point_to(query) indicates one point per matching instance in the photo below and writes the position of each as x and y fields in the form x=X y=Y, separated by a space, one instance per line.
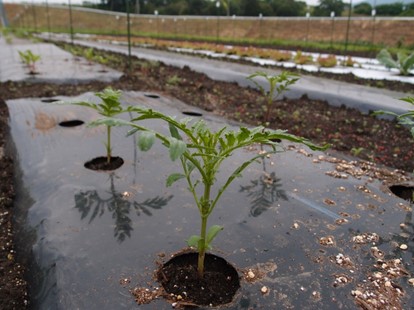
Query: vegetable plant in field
x=404 y=63
x=327 y=61
x=110 y=107
x=277 y=85
x=406 y=119
x=201 y=153
x=29 y=59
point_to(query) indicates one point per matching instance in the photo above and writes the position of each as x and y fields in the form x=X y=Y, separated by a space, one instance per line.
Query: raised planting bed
x=303 y=230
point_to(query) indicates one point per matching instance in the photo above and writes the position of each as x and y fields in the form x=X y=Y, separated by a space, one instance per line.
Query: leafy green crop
x=201 y=152
x=404 y=62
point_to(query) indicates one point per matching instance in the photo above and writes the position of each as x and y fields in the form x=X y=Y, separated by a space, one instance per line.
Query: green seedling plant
x=201 y=153
x=89 y=55
x=404 y=62
x=277 y=85
x=29 y=59
x=405 y=119
x=109 y=107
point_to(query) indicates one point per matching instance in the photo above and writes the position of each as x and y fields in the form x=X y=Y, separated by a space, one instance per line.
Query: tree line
x=251 y=7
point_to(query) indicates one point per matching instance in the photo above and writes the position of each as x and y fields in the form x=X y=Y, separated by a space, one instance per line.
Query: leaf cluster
x=404 y=62
x=277 y=85
x=29 y=59
x=110 y=105
x=406 y=119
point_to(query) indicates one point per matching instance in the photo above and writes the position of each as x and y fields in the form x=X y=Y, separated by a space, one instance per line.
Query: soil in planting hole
x=405 y=192
x=192 y=113
x=101 y=163
x=218 y=286
x=71 y=123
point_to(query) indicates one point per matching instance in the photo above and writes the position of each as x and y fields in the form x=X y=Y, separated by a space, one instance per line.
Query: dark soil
x=12 y=285
x=218 y=285
x=102 y=164
x=349 y=132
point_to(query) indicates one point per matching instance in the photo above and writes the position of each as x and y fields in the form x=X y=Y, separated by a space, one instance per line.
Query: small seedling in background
x=201 y=153
x=29 y=59
x=349 y=62
x=301 y=59
x=277 y=85
x=110 y=107
x=404 y=63
x=406 y=119
x=327 y=61
x=89 y=55
x=173 y=80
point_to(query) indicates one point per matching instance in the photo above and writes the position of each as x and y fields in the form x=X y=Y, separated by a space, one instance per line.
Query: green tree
x=250 y=7
x=325 y=8
x=363 y=8
x=288 y=7
x=408 y=11
x=393 y=9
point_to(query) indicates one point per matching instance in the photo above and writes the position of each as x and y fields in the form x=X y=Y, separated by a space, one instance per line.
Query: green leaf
x=172 y=178
x=146 y=140
x=177 y=148
x=193 y=241
x=174 y=132
x=408 y=99
x=109 y=122
x=385 y=58
x=212 y=233
x=408 y=64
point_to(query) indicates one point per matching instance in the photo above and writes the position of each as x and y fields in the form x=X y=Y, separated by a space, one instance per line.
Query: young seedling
x=404 y=63
x=29 y=59
x=110 y=107
x=406 y=119
x=201 y=153
x=277 y=85
x=89 y=55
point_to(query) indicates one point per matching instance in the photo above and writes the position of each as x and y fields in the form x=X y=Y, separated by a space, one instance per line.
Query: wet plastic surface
x=91 y=236
x=55 y=65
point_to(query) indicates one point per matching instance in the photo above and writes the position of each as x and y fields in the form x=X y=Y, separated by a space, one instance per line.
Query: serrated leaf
x=146 y=140
x=172 y=178
x=193 y=241
x=177 y=148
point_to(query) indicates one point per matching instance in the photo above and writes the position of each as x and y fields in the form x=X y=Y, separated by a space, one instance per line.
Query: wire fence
x=67 y=18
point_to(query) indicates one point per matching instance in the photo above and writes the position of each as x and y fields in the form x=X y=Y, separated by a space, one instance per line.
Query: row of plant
x=200 y=150
x=404 y=61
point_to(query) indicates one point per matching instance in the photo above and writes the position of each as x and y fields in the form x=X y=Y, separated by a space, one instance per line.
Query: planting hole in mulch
x=101 y=163
x=71 y=123
x=153 y=96
x=49 y=100
x=179 y=277
x=405 y=192
x=192 y=113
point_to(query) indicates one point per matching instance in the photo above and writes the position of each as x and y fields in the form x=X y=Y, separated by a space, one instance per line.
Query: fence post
x=70 y=22
x=129 y=35
x=347 y=28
